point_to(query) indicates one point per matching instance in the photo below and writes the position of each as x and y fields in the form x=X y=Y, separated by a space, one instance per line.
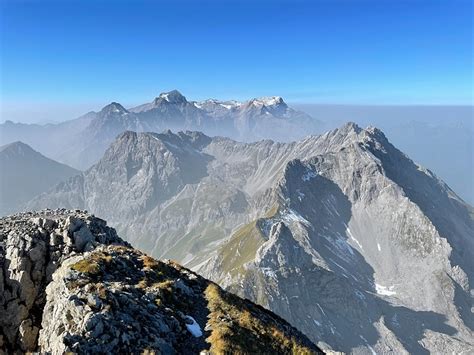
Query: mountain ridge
x=70 y=284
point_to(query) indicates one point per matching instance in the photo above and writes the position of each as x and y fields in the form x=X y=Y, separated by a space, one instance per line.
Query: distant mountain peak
x=376 y=132
x=17 y=146
x=350 y=127
x=167 y=132
x=19 y=150
x=268 y=101
x=114 y=108
x=211 y=104
x=173 y=97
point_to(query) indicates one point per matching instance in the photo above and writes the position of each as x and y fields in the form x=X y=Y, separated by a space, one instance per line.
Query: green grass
x=243 y=245
x=241 y=248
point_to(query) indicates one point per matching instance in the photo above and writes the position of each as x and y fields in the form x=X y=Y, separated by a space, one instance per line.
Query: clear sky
x=72 y=56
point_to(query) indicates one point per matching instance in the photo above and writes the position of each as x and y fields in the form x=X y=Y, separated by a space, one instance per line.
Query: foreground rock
x=69 y=283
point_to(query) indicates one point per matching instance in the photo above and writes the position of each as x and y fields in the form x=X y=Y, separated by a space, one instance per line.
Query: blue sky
x=76 y=55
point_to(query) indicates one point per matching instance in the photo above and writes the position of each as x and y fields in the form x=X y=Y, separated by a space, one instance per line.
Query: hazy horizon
x=42 y=113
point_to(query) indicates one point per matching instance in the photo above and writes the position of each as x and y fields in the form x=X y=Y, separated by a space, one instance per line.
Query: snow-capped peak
x=268 y=101
x=229 y=104
x=174 y=97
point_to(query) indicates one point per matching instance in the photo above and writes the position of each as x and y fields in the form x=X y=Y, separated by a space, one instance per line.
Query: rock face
x=176 y=195
x=364 y=250
x=69 y=284
x=326 y=231
x=81 y=142
x=25 y=173
x=32 y=247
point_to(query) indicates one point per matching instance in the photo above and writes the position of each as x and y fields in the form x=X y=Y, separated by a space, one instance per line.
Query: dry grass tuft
x=236 y=330
x=149 y=262
x=92 y=263
x=86 y=266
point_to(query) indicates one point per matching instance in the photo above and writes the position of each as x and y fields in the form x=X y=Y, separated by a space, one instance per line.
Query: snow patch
x=343 y=245
x=341 y=267
x=321 y=309
x=366 y=343
x=378 y=247
x=267 y=101
x=194 y=327
x=293 y=216
x=384 y=290
x=348 y=231
x=269 y=272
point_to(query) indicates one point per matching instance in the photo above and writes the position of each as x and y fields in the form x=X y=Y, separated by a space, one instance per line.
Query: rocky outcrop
x=70 y=284
x=32 y=247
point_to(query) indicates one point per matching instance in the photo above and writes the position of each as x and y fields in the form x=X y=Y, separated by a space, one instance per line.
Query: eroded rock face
x=70 y=284
x=363 y=251
x=112 y=300
x=32 y=246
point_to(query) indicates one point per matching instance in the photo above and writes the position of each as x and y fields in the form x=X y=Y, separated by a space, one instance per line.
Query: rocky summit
x=68 y=283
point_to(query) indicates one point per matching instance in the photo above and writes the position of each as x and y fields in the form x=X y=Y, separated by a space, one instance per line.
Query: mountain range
x=341 y=234
x=81 y=142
